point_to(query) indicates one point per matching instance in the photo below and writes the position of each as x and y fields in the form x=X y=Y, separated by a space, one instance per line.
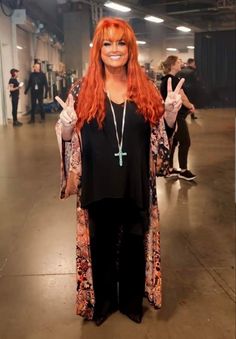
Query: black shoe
x=17 y=123
x=134 y=316
x=31 y=121
x=99 y=318
x=172 y=173
x=193 y=117
x=186 y=175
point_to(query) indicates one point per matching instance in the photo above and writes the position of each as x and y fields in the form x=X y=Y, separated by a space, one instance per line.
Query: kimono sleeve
x=160 y=148
x=71 y=167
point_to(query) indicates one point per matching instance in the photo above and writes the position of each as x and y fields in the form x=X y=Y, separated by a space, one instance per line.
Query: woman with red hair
x=113 y=142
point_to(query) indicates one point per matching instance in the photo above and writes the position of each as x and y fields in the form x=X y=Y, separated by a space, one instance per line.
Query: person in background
x=38 y=86
x=191 y=85
x=171 y=66
x=112 y=134
x=14 y=88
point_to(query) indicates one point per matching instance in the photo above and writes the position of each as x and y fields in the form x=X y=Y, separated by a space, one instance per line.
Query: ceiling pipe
x=169 y=22
x=201 y=10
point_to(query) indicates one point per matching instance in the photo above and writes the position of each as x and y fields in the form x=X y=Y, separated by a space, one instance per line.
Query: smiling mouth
x=115 y=57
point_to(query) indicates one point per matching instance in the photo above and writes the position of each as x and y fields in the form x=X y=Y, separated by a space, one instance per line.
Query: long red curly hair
x=140 y=90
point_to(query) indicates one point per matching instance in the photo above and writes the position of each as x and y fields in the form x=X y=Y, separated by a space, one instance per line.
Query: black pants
x=14 y=101
x=37 y=97
x=117 y=250
x=181 y=138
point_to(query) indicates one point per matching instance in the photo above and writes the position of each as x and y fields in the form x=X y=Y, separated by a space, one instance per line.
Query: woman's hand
x=68 y=116
x=173 y=102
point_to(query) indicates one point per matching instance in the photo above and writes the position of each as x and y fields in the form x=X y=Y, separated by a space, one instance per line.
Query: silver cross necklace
x=120 y=153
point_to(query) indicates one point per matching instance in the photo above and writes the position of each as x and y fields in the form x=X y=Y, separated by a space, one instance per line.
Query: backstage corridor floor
x=37 y=242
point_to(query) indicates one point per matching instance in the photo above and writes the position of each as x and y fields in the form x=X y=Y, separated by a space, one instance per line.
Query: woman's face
x=114 y=54
x=36 y=68
x=176 y=67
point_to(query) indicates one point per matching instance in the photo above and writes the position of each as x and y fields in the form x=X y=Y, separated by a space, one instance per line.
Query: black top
x=37 y=83
x=183 y=112
x=190 y=75
x=102 y=177
x=191 y=83
x=15 y=83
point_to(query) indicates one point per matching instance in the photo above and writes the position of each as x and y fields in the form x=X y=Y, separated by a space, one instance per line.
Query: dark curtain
x=215 y=59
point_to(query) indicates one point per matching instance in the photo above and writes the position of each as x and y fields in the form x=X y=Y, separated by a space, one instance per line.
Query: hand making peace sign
x=68 y=116
x=173 y=102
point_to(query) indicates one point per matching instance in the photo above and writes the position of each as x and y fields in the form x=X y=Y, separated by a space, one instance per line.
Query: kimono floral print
x=113 y=137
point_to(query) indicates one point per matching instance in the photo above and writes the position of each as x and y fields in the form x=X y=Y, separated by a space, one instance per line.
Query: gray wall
x=77 y=38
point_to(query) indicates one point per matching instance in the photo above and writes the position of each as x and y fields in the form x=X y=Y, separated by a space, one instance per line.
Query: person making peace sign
x=113 y=135
x=171 y=66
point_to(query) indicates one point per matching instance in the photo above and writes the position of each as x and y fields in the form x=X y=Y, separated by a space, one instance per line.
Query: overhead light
x=183 y=29
x=171 y=49
x=91 y=44
x=190 y=47
x=153 y=18
x=117 y=7
x=139 y=42
x=19 y=47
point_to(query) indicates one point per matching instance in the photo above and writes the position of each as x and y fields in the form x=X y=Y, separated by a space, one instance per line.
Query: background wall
x=6 y=60
x=19 y=48
x=77 y=31
x=25 y=59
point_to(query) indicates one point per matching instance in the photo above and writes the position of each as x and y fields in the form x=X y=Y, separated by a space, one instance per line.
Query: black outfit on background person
x=181 y=136
x=14 y=98
x=191 y=83
x=39 y=87
x=117 y=199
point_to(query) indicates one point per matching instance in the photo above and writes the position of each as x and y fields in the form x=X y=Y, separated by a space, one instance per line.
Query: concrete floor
x=37 y=242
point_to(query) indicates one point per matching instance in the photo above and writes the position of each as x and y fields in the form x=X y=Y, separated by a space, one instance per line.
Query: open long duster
x=71 y=171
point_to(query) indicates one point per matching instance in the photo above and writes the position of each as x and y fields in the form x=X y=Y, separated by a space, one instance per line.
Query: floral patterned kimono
x=71 y=169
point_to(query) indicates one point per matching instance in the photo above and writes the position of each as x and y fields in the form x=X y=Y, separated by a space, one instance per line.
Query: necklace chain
x=120 y=153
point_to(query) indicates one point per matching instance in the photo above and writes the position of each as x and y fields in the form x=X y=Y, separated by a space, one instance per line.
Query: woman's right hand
x=68 y=115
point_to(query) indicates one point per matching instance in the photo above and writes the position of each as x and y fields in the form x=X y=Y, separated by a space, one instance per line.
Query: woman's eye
x=122 y=43
x=106 y=44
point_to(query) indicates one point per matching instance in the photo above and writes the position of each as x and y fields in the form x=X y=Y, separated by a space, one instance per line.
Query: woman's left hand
x=173 y=102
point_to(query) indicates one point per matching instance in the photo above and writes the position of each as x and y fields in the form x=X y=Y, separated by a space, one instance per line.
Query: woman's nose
x=114 y=46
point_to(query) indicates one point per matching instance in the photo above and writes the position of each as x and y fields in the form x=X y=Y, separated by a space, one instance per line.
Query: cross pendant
x=120 y=154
